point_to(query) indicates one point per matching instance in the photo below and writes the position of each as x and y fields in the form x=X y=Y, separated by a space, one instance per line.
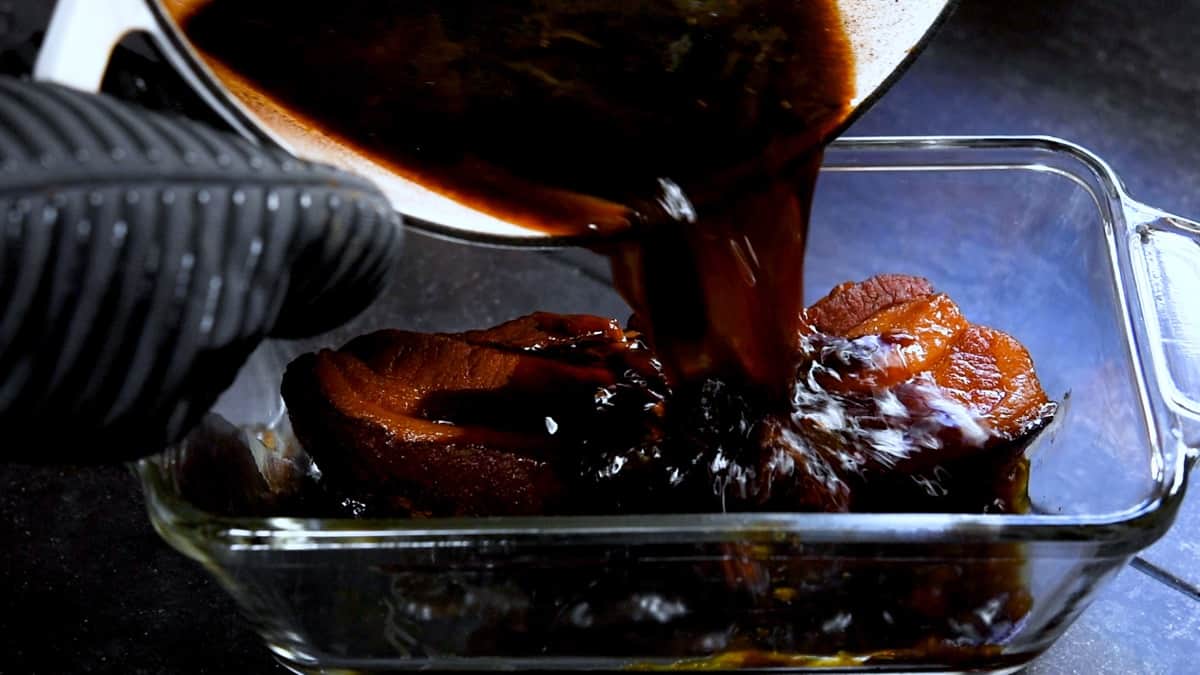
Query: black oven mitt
x=142 y=259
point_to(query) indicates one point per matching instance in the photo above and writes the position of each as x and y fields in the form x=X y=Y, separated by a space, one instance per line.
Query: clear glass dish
x=1032 y=235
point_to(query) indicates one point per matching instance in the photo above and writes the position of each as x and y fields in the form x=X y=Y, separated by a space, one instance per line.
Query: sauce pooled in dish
x=691 y=132
x=898 y=403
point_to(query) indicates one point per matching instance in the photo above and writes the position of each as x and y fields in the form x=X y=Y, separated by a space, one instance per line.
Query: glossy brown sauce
x=693 y=130
x=693 y=127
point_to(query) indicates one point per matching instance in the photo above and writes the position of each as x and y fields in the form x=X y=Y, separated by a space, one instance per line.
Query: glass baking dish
x=1032 y=235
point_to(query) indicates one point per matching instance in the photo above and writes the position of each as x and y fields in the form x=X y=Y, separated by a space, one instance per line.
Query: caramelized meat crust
x=851 y=303
x=984 y=369
x=476 y=423
x=899 y=403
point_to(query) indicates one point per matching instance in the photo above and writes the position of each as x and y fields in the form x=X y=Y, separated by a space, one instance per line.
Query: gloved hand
x=142 y=259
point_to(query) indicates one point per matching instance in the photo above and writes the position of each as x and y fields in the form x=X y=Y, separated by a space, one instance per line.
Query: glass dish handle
x=1166 y=271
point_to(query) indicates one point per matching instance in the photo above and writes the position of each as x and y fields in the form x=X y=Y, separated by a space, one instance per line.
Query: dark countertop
x=87 y=586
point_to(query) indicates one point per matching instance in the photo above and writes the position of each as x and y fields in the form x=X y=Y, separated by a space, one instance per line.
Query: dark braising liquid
x=693 y=128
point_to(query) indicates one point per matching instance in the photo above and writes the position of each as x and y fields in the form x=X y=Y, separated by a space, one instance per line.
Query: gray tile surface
x=1120 y=78
x=1136 y=626
x=1179 y=551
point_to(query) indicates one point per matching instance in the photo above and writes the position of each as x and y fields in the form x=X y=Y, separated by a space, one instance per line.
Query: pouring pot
x=883 y=37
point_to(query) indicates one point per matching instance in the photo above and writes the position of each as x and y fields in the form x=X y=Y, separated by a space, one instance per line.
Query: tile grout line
x=1162 y=576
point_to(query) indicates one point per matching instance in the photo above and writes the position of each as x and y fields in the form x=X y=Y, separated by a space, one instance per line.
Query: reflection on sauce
x=694 y=128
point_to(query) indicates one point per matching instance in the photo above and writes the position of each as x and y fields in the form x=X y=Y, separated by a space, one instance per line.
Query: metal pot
x=884 y=37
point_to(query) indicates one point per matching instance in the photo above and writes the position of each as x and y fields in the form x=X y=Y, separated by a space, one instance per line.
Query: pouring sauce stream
x=690 y=130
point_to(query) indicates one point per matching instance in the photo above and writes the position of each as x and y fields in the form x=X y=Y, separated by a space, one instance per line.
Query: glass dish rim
x=1124 y=532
